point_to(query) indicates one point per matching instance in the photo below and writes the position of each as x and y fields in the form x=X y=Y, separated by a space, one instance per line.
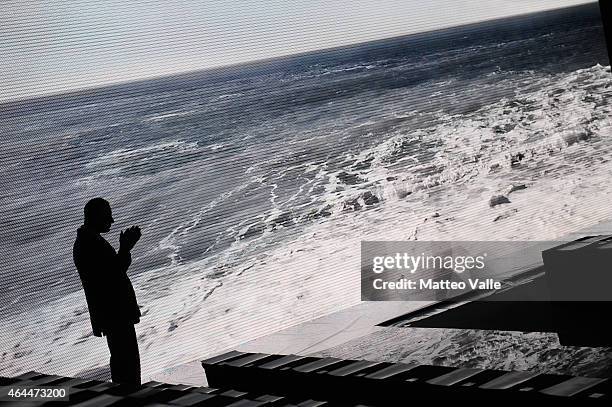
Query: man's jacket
x=109 y=293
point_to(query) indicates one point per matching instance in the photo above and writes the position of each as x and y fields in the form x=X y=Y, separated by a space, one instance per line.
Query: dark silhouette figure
x=110 y=296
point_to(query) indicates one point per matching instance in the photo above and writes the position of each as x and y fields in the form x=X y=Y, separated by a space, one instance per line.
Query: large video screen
x=257 y=144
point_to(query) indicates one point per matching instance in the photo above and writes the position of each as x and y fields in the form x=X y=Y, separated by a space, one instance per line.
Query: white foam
x=163 y=116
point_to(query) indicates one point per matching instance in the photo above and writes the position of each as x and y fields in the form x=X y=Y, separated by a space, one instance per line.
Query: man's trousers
x=125 y=358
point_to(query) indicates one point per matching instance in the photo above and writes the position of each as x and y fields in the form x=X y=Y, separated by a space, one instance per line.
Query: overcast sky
x=53 y=46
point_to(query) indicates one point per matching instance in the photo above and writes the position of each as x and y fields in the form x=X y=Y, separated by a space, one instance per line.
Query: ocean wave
x=121 y=154
x=230 y=95
x=164 y=116
x=526 y=134
x=532 y=126
x=318 y=71
x=171 y=242
x=539 y=131
x=146 y=160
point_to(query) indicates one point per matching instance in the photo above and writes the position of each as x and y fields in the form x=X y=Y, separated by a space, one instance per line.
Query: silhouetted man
x=110 y=296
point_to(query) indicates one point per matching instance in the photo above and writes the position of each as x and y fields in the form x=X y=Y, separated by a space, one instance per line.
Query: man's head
x=98 y=215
